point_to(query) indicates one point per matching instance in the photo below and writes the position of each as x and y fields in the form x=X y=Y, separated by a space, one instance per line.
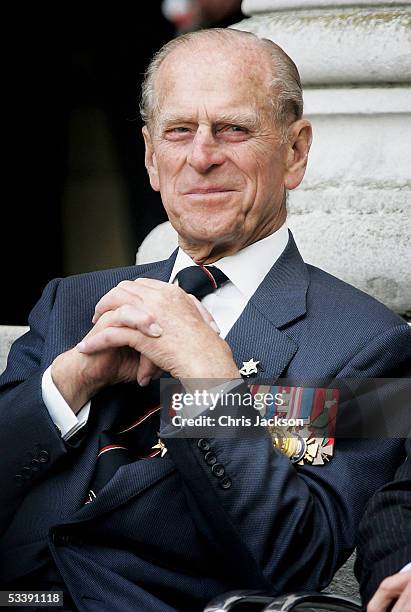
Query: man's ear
x=298 y=146
x=150 y=160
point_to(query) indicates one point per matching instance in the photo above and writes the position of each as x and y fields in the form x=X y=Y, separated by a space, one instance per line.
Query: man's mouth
x=206 y=190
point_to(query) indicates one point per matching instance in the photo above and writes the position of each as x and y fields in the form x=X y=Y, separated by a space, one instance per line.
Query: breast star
x=249 y=367
x=160 y=446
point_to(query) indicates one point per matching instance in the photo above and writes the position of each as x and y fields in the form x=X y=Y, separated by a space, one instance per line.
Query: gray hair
x=286 y=90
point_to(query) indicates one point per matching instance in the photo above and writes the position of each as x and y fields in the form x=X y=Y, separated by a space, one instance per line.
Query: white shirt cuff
x=406 y=568
x=60 y=412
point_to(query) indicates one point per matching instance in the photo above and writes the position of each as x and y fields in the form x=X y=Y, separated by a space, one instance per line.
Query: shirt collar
x=246 y=268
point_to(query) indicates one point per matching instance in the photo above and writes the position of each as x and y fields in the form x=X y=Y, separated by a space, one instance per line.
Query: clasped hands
x=140 y=329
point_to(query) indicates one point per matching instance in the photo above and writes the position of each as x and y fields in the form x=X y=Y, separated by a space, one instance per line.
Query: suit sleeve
x=29 y=440
x=286 y=527
x=384 y=546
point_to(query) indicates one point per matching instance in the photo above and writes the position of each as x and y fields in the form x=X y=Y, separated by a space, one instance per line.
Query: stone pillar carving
x=352 y=214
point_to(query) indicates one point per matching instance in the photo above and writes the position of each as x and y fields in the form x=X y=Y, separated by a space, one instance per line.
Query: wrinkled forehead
x=239 y=75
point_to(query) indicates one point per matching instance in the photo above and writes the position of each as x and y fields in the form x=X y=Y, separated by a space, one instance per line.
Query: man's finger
x=389 y=590
x=131 y=292
x=404 y=601
x=135 y=317
x=205 y=314
x=153 y=283
x=111 y=337
x=147 y=371
x=115 y=298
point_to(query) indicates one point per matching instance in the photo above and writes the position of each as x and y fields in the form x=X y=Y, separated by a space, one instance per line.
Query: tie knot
x=201 y=280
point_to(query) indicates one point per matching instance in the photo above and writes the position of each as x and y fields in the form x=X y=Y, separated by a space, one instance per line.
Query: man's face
x=214 y=151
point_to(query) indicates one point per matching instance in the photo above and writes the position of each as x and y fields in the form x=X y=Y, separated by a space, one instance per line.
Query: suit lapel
x=279 y=301
x=254 y=337
x=129 y=481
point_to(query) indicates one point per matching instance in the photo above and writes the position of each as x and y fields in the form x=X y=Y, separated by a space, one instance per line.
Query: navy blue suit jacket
x=163 y=534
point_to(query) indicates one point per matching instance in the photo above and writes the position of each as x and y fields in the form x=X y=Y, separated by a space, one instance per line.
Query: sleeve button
x=19 y=480
x=44 y=456
x=26 y=472
x=35 y=465
x=210 y=458
x=218 y=470
x=225 y=483
x=203 y=445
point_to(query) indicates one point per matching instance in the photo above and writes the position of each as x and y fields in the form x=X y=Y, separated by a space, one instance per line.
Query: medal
x=302 y=450
x=249 y=367
x=291 y=444
x=304 y=420
x=160 y=446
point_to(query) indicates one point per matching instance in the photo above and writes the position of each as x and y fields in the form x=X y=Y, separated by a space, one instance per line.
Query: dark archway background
x=75 y=192
x=72 y=146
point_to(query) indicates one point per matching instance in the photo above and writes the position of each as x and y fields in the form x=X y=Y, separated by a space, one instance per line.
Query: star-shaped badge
x=161 y=446
x=249 y=367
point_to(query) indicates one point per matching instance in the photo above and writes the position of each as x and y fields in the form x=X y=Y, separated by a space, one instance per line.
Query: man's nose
x=205 y=151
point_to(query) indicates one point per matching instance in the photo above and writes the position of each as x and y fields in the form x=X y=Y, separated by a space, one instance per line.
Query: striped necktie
x=201 y=280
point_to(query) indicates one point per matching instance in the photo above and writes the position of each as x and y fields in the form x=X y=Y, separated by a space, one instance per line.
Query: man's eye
x=232 y=129
x=233 y=133
x=177 y=132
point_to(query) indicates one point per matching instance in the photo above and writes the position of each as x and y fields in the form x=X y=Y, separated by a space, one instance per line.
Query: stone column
x=351 y=215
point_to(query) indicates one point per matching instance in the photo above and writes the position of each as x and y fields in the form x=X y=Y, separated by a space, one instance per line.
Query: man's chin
x=208 y=247
x=201 y=236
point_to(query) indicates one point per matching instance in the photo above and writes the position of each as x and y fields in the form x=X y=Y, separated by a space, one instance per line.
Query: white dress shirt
x=245 y=271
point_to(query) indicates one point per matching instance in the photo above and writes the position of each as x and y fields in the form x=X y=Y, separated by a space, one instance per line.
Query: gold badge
x=302 y=450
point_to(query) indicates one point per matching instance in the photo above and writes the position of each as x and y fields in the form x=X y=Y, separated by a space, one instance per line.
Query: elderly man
x=92 y=503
